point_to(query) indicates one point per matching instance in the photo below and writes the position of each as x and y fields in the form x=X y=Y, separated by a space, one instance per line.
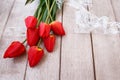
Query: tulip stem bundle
x=39 y=28
x=46 y=11
x=49 y=10
x=40 y=12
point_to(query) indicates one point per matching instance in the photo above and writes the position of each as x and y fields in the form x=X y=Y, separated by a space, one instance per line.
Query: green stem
x=24 y=41
x=38 y=17
x=50 y=11
x=39 y=20
x=37 y=11
x=39 y=43
x=48 y=3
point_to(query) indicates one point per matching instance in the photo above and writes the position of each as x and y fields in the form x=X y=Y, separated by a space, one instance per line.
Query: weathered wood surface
x=76 y=56
x=13 y=69
x=106 y=48
x=76 y=52
x=5 y=10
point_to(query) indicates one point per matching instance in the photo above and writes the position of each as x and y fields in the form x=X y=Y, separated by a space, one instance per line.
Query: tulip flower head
x=35 y=54
x=14 y=50
x=32 y=36
x=57 y=28
x=31 y=22
x=49 y=43
x=44 y=30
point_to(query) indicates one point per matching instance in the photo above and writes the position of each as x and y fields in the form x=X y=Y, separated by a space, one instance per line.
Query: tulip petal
x=32 y=36
x=44 y=30
x=14 y=50
x=57 y=28
x=31 y=22
x=49 y=43
x=35 y=54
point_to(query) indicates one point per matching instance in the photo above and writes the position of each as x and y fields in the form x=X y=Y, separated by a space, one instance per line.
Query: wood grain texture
x=106 y=47
x=5 y=9
x=76 y=53
x=14 y=69
x=102 y=8
x=72 y=58
x=116 y=9
x=48 y=67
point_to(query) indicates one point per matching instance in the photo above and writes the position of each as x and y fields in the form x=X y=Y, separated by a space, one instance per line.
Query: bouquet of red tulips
x=41 y=27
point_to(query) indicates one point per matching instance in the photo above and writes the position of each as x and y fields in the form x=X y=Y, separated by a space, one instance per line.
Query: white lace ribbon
x=59 y=3
x=88 y=22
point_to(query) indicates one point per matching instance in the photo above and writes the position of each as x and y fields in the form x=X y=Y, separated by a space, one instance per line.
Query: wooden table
x=76 y=56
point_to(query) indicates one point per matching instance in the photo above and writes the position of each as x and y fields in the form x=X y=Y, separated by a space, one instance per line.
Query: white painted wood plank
x=116 y=7
x=76 y=53
x=14 y=69
x=106 y=47
x=5 y=9
x=107 y=57
x=48 y=68
x=102 y=8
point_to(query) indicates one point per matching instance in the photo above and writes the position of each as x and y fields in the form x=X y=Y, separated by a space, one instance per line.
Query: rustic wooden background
x=76 y=56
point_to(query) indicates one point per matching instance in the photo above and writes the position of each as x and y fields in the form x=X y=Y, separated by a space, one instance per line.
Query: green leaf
x=40 y=6
x=45 y=15
x=46 y=11
x=28 y=1
x=54 y=10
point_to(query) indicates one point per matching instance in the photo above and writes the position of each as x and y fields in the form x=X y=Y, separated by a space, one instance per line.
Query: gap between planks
x=61 y=44
x=92 y=48
x=100 y=72
x=2 y=31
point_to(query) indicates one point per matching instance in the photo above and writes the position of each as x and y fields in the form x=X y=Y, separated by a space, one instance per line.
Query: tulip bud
x=49 y=43
x=35 y=54
x=14 y=50
x=32 y=36
x=44 y=30
x=57 y=28
x=31 y=22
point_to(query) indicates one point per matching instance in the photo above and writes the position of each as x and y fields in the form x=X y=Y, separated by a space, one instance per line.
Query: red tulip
x=31 y=22
x=49 y=43
x=35 y=54
x=44 y=30
x=57 y=28
x=32 y=36
x=14 y=50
